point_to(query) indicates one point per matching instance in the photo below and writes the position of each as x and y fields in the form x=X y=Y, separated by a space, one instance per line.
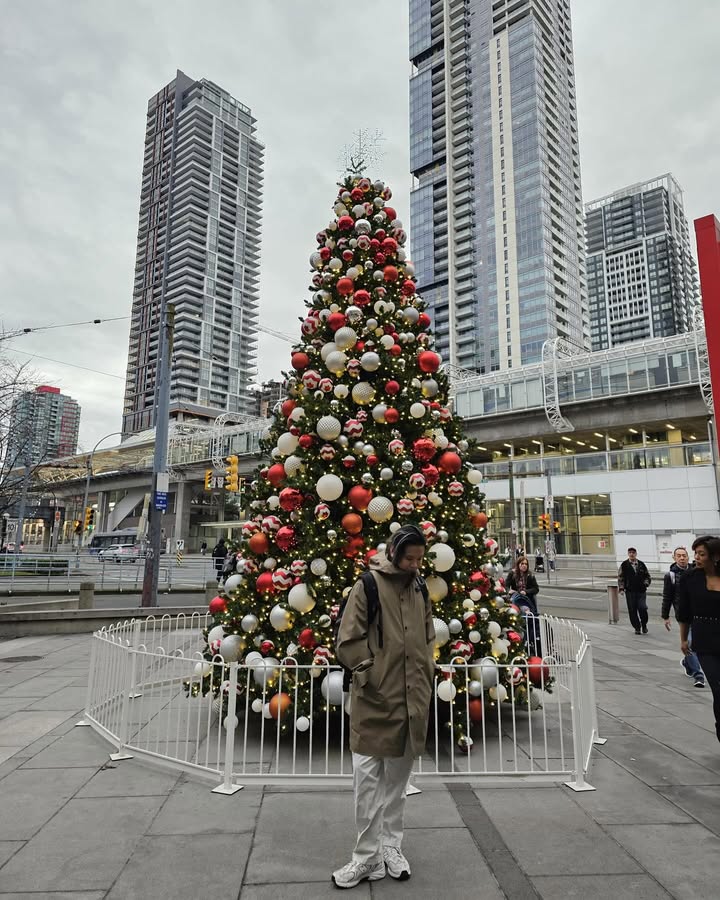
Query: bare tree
x=15 y=438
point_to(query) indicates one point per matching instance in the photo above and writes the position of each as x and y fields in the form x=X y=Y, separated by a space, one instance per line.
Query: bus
x=102 y=539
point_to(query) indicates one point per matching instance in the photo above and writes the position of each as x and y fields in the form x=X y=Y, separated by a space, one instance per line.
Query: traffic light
x=544 y=522
x=556 y=527
x=231 y=474
x=89 y=518
x=208 y=479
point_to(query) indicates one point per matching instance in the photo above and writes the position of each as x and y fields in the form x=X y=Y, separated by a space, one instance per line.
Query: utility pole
x=550 y=512
x=513 y=520
x=160 y=475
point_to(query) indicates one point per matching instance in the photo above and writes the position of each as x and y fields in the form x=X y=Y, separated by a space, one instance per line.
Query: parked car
x=120 y=553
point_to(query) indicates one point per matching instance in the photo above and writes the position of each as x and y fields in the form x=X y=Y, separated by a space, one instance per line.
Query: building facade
x=496 y=207
x=642 y=278
x=44 y=424
x=199 y=249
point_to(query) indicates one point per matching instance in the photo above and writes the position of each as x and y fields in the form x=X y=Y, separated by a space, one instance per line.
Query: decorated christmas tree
x=365 y=442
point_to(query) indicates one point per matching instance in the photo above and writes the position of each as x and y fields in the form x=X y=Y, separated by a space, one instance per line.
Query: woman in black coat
x=699 y=608
x=521 y=583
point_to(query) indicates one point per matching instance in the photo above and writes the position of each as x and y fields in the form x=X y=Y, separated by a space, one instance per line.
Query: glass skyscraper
x=496 y=207
x=44 y=424
x=642 y=278
x=199 y=241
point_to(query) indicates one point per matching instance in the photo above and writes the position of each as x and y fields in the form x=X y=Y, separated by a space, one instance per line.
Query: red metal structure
x=707 y=234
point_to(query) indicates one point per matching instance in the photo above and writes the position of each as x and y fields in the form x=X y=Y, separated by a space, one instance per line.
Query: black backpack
x=374 y=611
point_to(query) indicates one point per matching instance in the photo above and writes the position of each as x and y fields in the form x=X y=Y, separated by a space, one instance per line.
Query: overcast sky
x=75 y=78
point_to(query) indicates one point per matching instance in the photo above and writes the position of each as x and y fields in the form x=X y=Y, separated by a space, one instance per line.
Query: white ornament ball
x=475 y=595
x=442 y=632
x=437 y=588
x=498 y=693
x=303 y=723
x=417 y=410
x=378 y=412
x=202 y=669
x=330 y=347
x=280 y=618
x=345 y=338
x=230 y=724
x=329 y=487
x=474 y=476
x=257 y=705
x=442 y=556
x=215 y=635
x=446 y=690
x=363 y=393
x=380 y=509
x=370 y=361
x=331 y=687
x=494 y=629
x=265 y=672
x=297 y=415
x=249 y=623
x=231 y=647
x=328 y=428
x=474 y=637
x=336 y=362
x=318 y=566
x=386 y=474
x=300 y=597
x=273 y=501
x=287 y=443
x=435 y=498
x=455 y=626
x=475 y=688
x=341 y=391
x=233 y=582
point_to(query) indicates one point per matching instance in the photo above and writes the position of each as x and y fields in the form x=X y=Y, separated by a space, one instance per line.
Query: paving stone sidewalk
x=75 y=825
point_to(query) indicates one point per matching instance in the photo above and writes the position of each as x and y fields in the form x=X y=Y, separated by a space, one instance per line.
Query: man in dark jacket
x=219 y=553
x=671 y=583
x=634 y=580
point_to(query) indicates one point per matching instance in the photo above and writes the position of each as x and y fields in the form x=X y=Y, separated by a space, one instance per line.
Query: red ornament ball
x=306 y=639
x=475 y=708
x=287 y=407
x=423 y=448
x=325 y=253
x=353 y=547
x=424 y=321
x=356 y=194
x=259 y=543
x=372 y=460
x=359 y=497
x=276 y=475
x=392 y=415
x=392 y=388
x=449 y=462
x=395 y=350
x=390 y=213
x=305 y=441
x=266 y=647
x=514 y=637
x=390 y=273
x=479 y=520
x=344 y=287
x=428 y=360
x=538 y=671
x=389 y=245
x=336 y=320
x=299 y=361
x=264 y=583
x=345 y=223
x=285 y=537
x=431 y=475
x=217 y=605
x=361 y=297
x=408 y=288
x=352 y=523
x=290 y=499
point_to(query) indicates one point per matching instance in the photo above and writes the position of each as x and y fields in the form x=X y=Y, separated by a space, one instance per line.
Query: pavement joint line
x=258 y=811
x=511 y=879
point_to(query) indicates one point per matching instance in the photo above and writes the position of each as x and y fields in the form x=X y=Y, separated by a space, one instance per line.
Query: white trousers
x=380 y=784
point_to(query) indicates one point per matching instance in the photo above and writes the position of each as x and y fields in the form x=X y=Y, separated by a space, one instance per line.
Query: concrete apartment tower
x=642 y=278
x=496 y=207
x=44 y=424
x=199 y=245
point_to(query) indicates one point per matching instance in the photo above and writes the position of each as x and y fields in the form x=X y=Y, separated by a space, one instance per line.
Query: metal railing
x=145 y=695
x=63 y=572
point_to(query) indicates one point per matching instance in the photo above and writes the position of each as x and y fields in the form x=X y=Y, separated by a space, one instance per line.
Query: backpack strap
x=372 y=597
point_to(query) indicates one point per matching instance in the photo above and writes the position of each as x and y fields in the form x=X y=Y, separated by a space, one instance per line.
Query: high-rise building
x=642 y=278
x=44 y=424
x=270 y=393
x=199 y=243
x=496 y=208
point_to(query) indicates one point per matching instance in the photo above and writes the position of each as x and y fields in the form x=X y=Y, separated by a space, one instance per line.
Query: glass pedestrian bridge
x=567 y=376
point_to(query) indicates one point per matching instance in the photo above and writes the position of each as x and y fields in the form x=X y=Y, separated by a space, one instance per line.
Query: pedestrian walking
x=219 y=553
x=391 y=660
x=539 y=561
x=203 y=548
x=699 y=610
x=634 y=580
x=680 y=567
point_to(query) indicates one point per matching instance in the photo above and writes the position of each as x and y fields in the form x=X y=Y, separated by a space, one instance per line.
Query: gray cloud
x=74 y=83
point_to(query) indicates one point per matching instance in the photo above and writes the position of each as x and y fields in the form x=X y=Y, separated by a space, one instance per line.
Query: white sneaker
x=397 y=866
x=354 y=872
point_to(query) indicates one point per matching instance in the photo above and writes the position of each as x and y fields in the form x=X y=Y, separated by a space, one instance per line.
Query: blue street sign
x=161 y=500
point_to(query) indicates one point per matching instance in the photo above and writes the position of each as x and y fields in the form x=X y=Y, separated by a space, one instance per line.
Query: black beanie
x=407 y=536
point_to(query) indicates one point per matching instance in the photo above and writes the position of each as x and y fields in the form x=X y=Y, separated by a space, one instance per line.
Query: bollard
x=211 y=589
x=613 y=604
x=86 y=597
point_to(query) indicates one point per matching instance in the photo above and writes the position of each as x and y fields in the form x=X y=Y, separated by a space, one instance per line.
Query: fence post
x=91 y=682
x=86 y=597
x=613 y=597
x=591 y=696
x=576 y=701
x=128 y=694
x=227 y=787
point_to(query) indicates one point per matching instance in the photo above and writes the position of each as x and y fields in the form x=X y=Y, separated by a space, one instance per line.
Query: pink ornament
x=285 y=537
x=455 y=489
x=325 y=385
x=311 y=379
x=249 y=529
x=322 y=512
x=428 y=529
x=405 y=506
x=396 y=446
x=270 y=523
x=327 y=452
x=282 y=579
x=353 y=428
x=417 y=481
x=298 y=567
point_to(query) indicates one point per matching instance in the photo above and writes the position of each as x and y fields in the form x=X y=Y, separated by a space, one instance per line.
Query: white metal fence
x=145 y=697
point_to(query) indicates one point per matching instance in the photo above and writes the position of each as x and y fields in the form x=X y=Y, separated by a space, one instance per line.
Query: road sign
x=161 y=500
x=57 y=515
x=549 y=501
x=179 y=544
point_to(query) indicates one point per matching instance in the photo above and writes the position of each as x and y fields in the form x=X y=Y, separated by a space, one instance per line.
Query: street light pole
x=88 y=476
